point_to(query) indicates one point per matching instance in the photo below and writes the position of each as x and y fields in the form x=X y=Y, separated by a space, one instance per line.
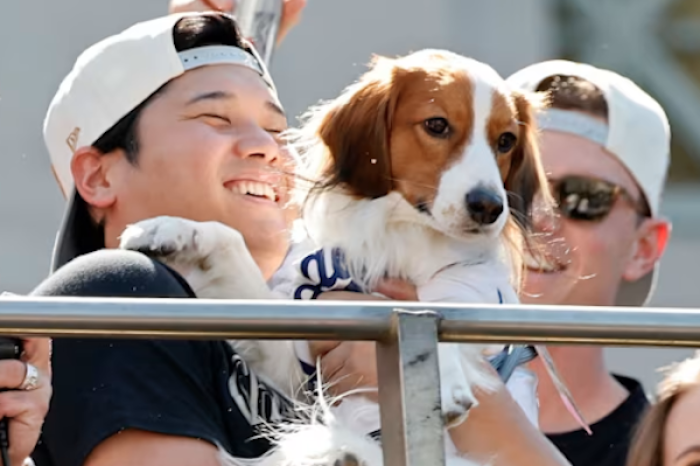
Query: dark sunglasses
x=589 y=199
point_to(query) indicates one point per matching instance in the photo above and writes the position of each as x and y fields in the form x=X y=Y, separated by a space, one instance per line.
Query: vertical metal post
x=409 y=391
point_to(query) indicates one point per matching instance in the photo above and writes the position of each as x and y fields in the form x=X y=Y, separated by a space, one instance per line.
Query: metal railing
x=407 y=335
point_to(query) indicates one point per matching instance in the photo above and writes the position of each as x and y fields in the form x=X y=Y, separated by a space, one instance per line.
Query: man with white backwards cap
x=605 y=145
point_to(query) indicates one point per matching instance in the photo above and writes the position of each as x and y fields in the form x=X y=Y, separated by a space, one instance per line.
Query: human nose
x=255 y=142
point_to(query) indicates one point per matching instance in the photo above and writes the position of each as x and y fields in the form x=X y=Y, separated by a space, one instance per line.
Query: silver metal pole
x=409 y=392
x=347 y=320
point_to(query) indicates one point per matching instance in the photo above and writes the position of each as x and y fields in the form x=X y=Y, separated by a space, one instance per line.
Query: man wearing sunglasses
x=605 y=146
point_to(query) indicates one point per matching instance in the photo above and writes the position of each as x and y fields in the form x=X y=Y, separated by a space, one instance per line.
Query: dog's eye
x=506 y=141
x=437 y=126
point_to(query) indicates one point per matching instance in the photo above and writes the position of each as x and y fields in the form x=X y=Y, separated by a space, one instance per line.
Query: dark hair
x=574 y=93
x=188 y=33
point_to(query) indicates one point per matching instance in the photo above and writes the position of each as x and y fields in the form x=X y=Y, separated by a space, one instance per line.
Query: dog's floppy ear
x=526 y=176
x=356 y=131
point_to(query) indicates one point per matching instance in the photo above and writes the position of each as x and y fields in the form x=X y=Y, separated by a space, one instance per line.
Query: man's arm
x=142 y=448
x=498 y=431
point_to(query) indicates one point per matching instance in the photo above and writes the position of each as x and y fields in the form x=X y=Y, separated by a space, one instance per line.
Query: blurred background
x=654 y=42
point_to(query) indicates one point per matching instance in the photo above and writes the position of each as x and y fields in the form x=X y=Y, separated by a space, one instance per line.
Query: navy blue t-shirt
x=198 y=389
x=192 y=388
x=612 y=435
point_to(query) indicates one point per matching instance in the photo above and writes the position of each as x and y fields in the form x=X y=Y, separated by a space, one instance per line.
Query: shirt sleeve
x=102 y=387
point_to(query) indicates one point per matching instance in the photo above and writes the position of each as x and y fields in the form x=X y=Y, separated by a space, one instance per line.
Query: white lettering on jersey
x=258 y=403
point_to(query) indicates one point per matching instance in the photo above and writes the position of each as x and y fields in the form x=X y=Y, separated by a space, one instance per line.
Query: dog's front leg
x=210 y=256
x=216 y=263
x=276 y=362
x=455 y=387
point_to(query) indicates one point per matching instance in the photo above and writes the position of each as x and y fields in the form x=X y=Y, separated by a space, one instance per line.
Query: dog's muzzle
x=484 y=205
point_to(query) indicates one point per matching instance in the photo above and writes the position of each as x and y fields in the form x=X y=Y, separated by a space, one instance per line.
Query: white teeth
x=254 y=188
x=534 y=264
x=269 y=192
x=531 y=261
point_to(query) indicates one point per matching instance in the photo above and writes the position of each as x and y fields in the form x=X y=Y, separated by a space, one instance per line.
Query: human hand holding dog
x=496 y=426
x=291 y=11
x=499 y=433
x=349 y=365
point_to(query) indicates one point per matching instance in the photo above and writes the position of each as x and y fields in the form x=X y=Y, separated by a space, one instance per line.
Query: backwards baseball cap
x=637 y=133
x=107 y=82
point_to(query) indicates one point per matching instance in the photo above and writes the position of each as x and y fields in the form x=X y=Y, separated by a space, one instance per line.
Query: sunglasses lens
x=584 y=199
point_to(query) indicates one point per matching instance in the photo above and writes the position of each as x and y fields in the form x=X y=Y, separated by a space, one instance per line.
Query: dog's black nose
x=484 y=206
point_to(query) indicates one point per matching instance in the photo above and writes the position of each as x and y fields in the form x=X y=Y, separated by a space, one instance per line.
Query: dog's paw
x=165 y=237
x=457 y=400
x=212 y=257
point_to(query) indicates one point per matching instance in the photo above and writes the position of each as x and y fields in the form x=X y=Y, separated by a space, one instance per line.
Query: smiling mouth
x=254 y=189
x=542 y=265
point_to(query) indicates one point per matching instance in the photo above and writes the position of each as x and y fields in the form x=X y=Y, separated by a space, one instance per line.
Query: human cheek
x=199 y=153
x=581 y=239
x=598 y=251
x=681 y=432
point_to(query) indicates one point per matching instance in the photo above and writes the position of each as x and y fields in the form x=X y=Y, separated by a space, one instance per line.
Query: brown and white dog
x=425 y=170
x=429 y=151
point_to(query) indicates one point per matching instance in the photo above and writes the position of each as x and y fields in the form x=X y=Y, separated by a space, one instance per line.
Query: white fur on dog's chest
x=484 y=283
x=394 y=239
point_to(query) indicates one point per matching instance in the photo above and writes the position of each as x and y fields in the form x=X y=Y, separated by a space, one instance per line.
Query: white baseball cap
x=107 y=82
x=637 y=133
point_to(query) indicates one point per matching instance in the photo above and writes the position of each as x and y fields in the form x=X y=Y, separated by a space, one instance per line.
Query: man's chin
x=545 y=288
x=268 y=248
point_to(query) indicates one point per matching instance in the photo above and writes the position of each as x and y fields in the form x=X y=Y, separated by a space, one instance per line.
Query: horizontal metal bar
x=346 y=320
x=189 y=318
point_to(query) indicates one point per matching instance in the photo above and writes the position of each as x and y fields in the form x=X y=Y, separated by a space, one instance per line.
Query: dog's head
x=442 y=130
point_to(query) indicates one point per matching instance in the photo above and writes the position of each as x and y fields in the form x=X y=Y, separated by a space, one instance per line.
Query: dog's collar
x=510 y=358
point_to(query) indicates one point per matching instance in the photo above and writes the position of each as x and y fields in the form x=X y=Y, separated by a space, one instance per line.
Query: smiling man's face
x=209 y=150
x=589 y=258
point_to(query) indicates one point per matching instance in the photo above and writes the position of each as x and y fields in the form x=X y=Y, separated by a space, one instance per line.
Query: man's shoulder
x=636 y=403
x=115 y=273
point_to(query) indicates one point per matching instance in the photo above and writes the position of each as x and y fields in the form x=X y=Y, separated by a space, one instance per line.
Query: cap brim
x=78 y=234
x=638 y=293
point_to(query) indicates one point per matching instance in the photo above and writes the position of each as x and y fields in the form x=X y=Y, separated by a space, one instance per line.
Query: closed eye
x=215 y=116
